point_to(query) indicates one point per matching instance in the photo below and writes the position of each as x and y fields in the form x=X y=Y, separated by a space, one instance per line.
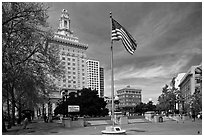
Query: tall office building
x=93 y=75
x=73 y=56
x=101 y=81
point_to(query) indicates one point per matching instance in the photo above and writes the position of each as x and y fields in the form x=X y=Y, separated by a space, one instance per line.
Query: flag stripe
x=115 y=35
x=126 y=36
x=126 y=47
x=119 y=33
x=126 y=42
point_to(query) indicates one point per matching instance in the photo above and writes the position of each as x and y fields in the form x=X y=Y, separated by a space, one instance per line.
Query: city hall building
x=73 y=57
x=80 y=72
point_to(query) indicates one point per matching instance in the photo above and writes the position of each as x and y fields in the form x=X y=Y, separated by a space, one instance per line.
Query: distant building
x=129 y=97
x=93 y=75
x=191 y=82
x=101 y=81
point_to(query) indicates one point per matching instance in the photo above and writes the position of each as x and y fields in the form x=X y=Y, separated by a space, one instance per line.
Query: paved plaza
x=135 y=127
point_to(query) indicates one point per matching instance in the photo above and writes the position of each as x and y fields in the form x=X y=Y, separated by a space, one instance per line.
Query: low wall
x=78 y=123
x=67 y=122
x=123 y=120
x=149 y=115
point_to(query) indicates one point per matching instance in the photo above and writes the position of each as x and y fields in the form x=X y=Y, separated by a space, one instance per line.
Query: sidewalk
x=36 y=126
x=135 y=127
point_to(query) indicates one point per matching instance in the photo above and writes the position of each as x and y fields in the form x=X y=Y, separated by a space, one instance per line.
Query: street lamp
x=65 y=97
x=116 y=101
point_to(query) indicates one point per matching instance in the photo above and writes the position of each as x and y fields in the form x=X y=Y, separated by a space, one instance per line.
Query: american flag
x=120 y=33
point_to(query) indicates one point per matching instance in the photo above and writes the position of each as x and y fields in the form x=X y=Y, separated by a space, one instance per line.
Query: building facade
x=93 y=75
x=73 y=56
x=178 y=80
x=190 y=83
x=129 y=97
x=101 y=81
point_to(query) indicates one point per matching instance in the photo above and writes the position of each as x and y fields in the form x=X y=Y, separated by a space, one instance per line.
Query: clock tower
x=64 y=24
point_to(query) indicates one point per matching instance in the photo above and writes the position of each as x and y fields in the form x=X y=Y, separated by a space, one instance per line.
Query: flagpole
x=112 y=75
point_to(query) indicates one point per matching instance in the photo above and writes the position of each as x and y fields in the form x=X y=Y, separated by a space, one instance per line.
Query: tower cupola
x=64 y=24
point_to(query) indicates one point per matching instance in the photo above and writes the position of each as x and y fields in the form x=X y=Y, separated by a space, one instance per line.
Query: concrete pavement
x=135 y=127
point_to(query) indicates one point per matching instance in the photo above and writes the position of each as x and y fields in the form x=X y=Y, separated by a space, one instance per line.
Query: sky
x=169 y=38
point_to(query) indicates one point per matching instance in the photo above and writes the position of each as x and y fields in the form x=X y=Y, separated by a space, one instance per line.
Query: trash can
x=183 y=118
x=156 y=119
x=160 y=119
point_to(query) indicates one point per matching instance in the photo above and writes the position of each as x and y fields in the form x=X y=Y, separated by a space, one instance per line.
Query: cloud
x=169 y=37
x=164 y=70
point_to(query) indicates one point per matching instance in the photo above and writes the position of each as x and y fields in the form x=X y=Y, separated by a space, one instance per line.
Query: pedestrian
x=198 y=116
x=25 y=123
x=45 y=118
x=193 y=116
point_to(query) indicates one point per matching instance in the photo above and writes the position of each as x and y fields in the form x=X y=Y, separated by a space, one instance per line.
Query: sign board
x=73 y=108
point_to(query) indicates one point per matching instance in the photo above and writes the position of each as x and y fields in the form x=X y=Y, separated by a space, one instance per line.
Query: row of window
x=74 y=73
x=69 y=77
x=69 y=68
x=73 y=59
x=93 y=78
x=72 y=50
x=72 y=86
x=74 y=82
x=130 y=92
x=73 y=64
x=72 y=53
x=93 y=83
x=130 y=96
x=92 y=66
x=128 y=100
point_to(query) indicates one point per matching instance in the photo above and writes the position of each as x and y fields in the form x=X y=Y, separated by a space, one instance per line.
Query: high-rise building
x=73 y=56
x=101 y=81
x=93 y=75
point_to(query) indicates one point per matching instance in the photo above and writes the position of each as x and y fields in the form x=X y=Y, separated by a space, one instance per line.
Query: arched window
x=65 y=23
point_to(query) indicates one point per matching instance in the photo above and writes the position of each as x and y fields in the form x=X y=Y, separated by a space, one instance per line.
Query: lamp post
x=116 y=101
x=65 y=97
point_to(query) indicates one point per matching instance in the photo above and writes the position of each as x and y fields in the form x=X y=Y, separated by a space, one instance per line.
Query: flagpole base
x=113 y=130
